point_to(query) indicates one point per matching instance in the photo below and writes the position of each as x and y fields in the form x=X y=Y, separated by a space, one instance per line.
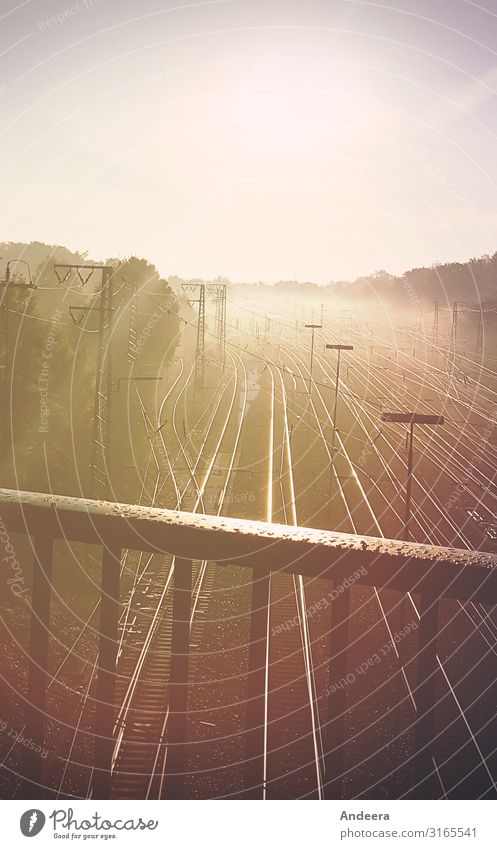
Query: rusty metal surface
x=367 y=560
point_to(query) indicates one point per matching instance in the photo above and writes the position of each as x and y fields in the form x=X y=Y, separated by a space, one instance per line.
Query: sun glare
x=286 y=104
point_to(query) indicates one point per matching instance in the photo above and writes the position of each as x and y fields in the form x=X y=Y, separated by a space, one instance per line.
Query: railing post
x=256 y=686
x=38 y=664
x=337 y=695
x=106 y=674
x=178 y=679
x=425 y=695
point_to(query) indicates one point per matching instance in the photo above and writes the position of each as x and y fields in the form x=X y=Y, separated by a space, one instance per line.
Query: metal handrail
x=431 y=571
x=393 y=564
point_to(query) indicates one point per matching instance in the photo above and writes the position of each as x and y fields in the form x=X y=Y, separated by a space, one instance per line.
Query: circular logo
x=32 y=822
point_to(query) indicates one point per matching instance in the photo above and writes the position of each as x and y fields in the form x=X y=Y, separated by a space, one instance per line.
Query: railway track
x=140 y=758
x=460 y=712
x=354 y=478
x=77 y=730
x=292 y=757
x=187 y=472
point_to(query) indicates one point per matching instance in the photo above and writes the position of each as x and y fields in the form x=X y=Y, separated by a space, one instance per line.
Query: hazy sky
x=256 y=139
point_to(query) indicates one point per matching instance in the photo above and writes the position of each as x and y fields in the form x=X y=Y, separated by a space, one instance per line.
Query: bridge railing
x=431 y=572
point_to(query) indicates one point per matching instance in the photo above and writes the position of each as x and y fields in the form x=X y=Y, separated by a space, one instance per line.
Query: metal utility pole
x=411 y=419
x=479 y=330
x=199 y=377
x=338 y=348
x=6 y=287
x=490 y=306
x=453 y=335
x=200 y=350
x=313 y=327
x=100 y=457
x=267 y=328
x=133 y=325
x=435 y=324
x=102 y=425
x=218 y=291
